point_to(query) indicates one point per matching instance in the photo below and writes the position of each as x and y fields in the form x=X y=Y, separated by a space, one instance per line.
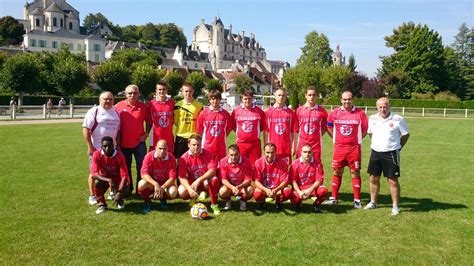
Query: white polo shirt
x=107 y=124
x=386 y=133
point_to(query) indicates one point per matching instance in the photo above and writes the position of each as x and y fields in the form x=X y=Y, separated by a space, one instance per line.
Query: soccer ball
x=199 y=211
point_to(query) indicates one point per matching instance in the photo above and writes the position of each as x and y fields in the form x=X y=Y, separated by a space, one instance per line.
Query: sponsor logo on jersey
x=163 y=121
x=247 y=126
x=345 y=130
x=215 y=131
x=309 y=128
x=280 y=128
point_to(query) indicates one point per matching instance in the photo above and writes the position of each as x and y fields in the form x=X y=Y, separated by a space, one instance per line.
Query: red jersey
x=162 y=117
x=214 y=126
x=271 y=175
x=248 y=123
x=132 y=120
x=113 y=167
x=348 y=127
x=237 y=173
x=159 y=170
x=192 y=167
x=312 y=124
x=279 y=124
x=305 y=174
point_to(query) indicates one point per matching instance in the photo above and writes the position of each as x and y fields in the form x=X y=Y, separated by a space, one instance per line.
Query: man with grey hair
x=133 y=115
x=389 y=133
x=100 y=121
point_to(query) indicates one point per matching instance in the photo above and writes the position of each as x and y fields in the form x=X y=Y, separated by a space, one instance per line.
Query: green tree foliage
x=354 y=83
x=175 y=81
x=397 y=84
x=316 y=50
x=133 y=58
x=334 y=78
x=92 y=20
x=130 y=33
x=214 y=84
x=464 y=52
x=243 y=83
x=69 y=72
x=150 y=34
x=22 y=73
x=198 y=81
x=352 y=63
x=3 y=58
x=112 y=76
x=419 y=54
x=11 y=31
x=171 y=36
x=297 y=79
x=145 y=77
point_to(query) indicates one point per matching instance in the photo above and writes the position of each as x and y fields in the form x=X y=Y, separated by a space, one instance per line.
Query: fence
x=79 y=111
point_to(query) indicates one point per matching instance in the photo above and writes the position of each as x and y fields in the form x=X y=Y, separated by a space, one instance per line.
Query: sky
x=358 y=26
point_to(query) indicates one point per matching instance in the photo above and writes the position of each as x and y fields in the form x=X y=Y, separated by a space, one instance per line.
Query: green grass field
x=45 y=218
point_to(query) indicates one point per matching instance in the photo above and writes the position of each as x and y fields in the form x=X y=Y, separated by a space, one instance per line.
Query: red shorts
x=347 y=155
x=250 y=150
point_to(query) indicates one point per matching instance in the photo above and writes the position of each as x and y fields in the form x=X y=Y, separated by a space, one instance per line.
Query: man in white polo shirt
x=389 y=133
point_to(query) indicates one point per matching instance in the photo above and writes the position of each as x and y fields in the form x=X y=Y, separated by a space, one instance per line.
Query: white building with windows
x=50 y=24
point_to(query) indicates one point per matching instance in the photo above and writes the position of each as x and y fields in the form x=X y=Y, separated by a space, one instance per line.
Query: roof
x=54 y=8
x=62 y=33
x=170 y=62
x=37 y=11
x=196 y=56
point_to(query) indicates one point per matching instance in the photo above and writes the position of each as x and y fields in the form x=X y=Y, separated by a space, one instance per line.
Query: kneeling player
x=197 y=173
x=158 y=176
x=308 y=177
x=271 y=178
x=236 y=175
x=109 y=170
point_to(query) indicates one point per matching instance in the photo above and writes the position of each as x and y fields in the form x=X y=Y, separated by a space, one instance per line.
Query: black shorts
x=386 y=162
x=180 y=147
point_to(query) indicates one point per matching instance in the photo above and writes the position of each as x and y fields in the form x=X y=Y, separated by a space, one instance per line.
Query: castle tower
x=337 y=58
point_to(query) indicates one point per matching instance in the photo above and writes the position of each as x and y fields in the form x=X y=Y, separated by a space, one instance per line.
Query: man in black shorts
x=389 y=133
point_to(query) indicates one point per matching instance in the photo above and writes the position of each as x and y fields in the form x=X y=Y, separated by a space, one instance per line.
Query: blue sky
x=358 y=26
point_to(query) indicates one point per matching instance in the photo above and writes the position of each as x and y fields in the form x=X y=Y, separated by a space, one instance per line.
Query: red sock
x=259 y=196
x=335 y=186
x=356 y=184
x=214 y=187
x=145 y=193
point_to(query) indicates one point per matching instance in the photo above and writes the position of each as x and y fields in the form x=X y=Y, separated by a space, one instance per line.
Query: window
x=195 y=65
x=71 y=47
x=55 y=22
x=61 y=20
x=232 y=48
x=97 y=57
x=55 y=44
x=33 y=42
x=70 y=25
x=37 y=22
x=225 y=48
x=79 y=47
x=225 y=56
x=250 y=53
x=42 y=43
x=97 y=48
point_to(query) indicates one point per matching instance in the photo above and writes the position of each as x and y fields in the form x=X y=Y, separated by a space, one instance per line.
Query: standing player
x=347 y=126
x=133 y=115
x=389 y=133
x=100 y=121
x=307 y=175
x=161 y=112
x=271 y=178
x=186 y=113
x=312 y=120
x=280 y=126
x=197 y=173
x=158 y=176
x=249 y=120
x=236 y=174
x=109 y=170
x=214 y=125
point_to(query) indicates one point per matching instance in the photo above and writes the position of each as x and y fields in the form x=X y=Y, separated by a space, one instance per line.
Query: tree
x=145 y=77
x=22 y=74
x=150 y=34
x=316 y=50
x=171 y=36
x=397 y=84
x=112 y=76
x=371 y=89
x=243 y=83
x=354 y=83
x=197 y=80
x=334 y=78
x=133 y=58
x=130 y=33
x=297 y=79
x=419 y=53
x=92 y=20
x=175 y=81
x=462 y=62
x=214 y=84
x=11 y=31
x=352 y=63
x=69 y=72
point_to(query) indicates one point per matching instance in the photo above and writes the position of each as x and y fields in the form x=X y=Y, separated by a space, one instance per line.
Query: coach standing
x=388 y=133
x=133 y=115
